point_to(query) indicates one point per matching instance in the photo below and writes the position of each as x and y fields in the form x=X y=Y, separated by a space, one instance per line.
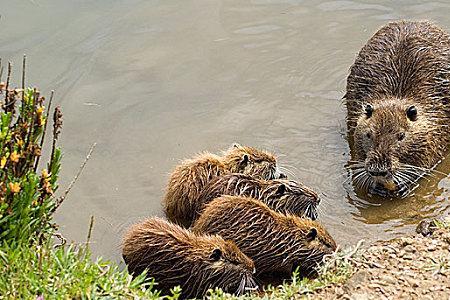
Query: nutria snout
x=175 y=256
x=398 y=110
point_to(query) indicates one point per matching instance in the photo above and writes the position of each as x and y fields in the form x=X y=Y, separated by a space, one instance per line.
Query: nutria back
x=188 y=179
x=282 y=195
x=175 y=256
x=276 y=242
x=397 y=98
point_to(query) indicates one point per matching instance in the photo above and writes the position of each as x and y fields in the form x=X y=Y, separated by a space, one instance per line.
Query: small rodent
x=282 y=195
x=275 y=242
x=188 y=179
x=398 y=103
x=175 y=256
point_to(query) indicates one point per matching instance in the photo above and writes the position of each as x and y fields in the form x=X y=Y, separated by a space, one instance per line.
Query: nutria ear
x=281 y=189
x=368 y=110
x=236 y=145
x=312 y=234
x=282 y=176
x=244 y=160
x=412 y=113
x=216 y=254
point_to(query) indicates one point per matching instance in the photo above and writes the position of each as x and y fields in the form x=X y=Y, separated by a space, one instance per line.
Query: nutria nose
x=378 y=173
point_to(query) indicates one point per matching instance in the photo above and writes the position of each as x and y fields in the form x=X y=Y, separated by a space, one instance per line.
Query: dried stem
x=8 y=78
x=1 y=70
x=91 y=225
x=44 y=131
x=61 y=199
x=23 y=76
x=57 y=123
x=23 y=84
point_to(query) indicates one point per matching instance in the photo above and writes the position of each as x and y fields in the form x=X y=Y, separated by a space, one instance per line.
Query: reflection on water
x=152 y=82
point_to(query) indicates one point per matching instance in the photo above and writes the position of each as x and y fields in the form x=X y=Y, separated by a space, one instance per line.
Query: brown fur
x=404 y=64
x=276 y=242
x=285 y=196
x=175 y=256
x=188 y=179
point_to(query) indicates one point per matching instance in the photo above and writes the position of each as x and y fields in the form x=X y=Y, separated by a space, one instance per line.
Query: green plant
x=29 y=271
x=26 y=197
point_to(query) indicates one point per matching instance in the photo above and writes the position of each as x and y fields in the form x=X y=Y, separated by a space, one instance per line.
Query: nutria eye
x=281 y=189
x=412 y=113
x=401 y=136
x=369 y=110
x=312 y=234
x=216 y=254
x=369 y=135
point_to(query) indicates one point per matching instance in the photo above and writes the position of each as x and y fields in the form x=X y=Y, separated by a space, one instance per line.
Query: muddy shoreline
x=409 y=267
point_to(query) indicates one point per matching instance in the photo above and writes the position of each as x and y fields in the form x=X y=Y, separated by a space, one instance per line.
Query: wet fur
x=188 y=179
x=282 y=195
x=175 y=256
x=276 y=242
x=404 y=64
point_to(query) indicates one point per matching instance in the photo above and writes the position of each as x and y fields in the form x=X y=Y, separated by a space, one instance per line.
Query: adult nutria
x=277 y=243
x=175 y=256
x=398 y=94
x=282 y=195
x=188 y=179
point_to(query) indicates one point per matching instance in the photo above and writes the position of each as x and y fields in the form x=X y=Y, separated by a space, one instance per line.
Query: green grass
x=29 y=271
x=442 y=223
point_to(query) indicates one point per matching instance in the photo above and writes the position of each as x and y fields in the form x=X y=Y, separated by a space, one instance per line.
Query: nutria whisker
x=360 y=178
x=288 y=172
x=403 y=187
x=368 y=182
x=430 y=170
x=412 y=172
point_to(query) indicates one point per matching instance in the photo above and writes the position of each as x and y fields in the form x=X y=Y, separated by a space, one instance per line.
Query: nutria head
x=225 y=266
x=393 y=138
x=397 y=98
x=175 y=256
x=317 y=243
x=291 y=197
x=251 y=161
x=276 y=242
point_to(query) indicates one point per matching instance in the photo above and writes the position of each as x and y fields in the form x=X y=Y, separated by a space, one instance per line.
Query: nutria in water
x=188 y=179
x=277 y=243
x=175 y=256
x=398 y=101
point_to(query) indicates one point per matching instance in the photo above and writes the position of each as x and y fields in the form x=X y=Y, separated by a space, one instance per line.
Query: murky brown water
x=152 y=82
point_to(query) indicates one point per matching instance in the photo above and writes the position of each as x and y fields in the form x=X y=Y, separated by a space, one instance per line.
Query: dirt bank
x=414 y=267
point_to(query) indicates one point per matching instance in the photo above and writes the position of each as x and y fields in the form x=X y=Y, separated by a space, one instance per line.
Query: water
x=152 y=82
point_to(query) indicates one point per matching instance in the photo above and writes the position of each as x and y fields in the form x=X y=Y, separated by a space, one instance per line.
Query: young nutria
x=277 y=243
x=398 y=101
x=188 y=179
x=285 y=196
x=175 y=256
